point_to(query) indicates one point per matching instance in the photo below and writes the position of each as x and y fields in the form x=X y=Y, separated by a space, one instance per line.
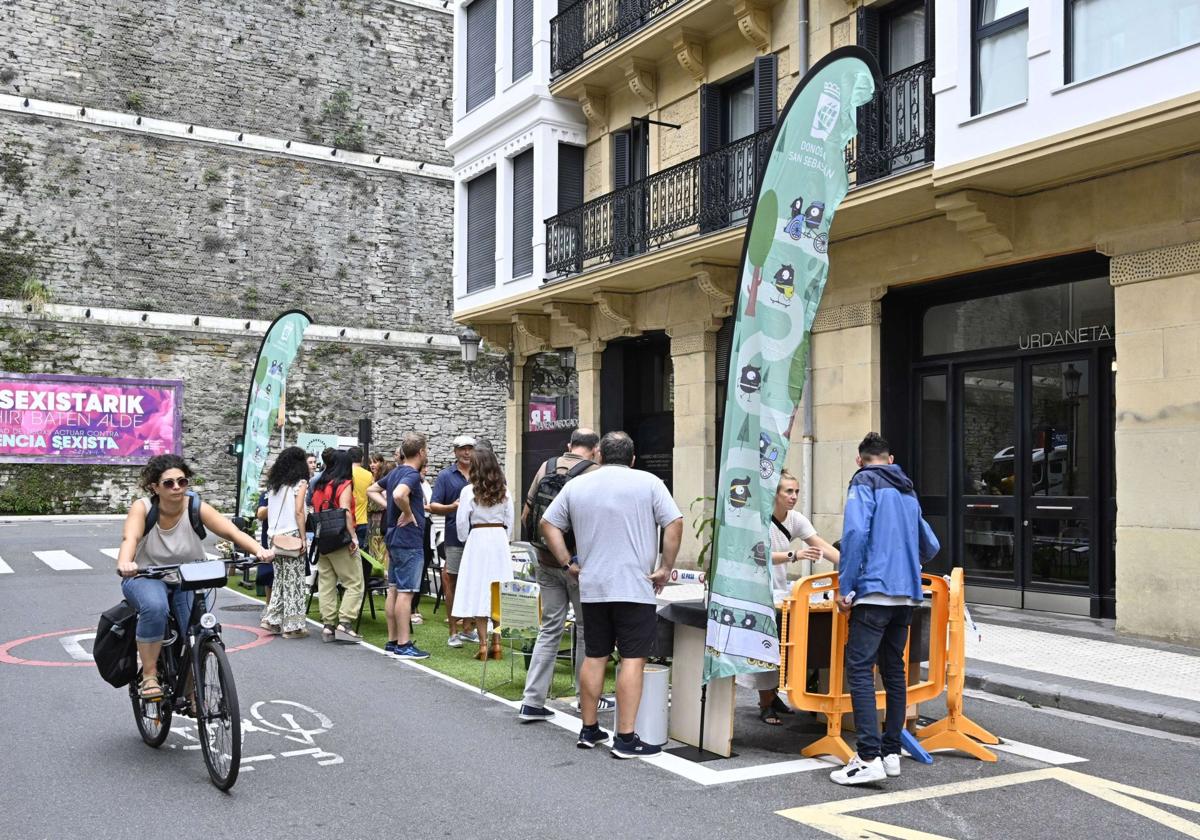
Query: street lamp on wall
x=498 y=370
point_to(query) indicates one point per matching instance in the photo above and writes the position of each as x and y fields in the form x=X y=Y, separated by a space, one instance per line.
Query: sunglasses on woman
x=172 y=483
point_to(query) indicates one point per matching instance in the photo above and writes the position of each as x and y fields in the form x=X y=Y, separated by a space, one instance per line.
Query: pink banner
x=82 y=420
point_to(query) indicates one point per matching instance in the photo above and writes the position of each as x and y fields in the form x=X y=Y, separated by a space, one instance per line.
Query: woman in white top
x=786 y=526
x=171 y=539
x=486 y=512
x=287 y=484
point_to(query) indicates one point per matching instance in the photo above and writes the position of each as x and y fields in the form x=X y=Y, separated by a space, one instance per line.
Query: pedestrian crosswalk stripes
x=61 y=561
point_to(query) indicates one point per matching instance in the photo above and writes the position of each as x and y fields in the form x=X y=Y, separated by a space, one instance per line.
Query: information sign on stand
x=519 y=613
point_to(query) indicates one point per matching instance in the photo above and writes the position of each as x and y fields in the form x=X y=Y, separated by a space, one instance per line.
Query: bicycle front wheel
x=218 y=718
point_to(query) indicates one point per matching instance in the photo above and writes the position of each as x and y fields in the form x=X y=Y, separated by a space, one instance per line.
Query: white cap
x=463 y=440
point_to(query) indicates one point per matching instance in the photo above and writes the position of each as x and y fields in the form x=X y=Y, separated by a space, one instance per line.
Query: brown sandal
x=482 y=654
x=496 y=653
x=150 y=689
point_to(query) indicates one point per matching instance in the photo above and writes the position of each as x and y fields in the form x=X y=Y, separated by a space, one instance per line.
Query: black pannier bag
x=115 y=649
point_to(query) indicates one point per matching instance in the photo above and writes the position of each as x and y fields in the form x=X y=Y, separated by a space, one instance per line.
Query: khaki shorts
x=453 y=558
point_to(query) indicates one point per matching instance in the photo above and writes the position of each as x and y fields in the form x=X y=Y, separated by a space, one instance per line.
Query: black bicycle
x=194 y=673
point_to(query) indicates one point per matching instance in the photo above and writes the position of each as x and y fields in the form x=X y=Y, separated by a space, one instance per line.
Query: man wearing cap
x=446 y=489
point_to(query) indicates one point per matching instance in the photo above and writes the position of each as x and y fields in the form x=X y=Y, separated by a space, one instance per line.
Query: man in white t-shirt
x=615 y=513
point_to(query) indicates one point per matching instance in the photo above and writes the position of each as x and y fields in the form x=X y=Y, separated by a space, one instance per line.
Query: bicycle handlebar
x=166 y=568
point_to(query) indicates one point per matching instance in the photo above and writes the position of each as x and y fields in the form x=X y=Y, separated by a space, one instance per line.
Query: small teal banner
x=278 y=349
x=785 y=261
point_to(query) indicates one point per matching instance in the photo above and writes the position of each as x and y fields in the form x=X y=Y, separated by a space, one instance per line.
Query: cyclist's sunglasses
x=172 y=483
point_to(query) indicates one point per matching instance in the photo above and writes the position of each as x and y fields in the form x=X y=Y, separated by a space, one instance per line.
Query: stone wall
x=330 y=386
x=370 y=75
x=134 y=221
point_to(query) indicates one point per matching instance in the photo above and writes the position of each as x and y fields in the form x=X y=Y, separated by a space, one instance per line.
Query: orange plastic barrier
x=956 y=730
x=798 y=607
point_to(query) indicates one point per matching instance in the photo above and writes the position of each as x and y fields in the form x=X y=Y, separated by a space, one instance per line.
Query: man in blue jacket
x=884 y=544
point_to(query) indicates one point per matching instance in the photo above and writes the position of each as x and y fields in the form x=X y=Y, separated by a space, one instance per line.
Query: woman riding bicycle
x=170 y=540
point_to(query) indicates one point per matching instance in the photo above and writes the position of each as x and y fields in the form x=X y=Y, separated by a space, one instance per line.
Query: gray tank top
x=168 y=545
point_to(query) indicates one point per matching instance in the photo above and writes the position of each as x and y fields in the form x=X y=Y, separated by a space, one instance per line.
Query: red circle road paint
x=261 y=637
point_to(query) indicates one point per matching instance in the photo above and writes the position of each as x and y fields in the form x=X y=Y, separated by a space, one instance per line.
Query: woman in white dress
x=786 y=526
x=485 y=514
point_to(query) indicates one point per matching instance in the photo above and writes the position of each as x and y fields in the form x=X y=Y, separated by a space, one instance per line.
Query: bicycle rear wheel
x=153 y=718
x=218 y=718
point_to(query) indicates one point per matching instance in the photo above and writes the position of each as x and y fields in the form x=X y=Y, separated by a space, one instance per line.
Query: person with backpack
x=337 y=549
x=485 y=515
x=885 y=541
x=168 y=526
x=559 y=588
x=287 y=485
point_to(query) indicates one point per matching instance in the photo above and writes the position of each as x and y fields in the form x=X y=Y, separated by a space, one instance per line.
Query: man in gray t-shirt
x=615 y=513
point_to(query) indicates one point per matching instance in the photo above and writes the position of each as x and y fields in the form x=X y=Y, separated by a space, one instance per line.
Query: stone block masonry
x=368 y=75
x=330 y=386
x=132 y=221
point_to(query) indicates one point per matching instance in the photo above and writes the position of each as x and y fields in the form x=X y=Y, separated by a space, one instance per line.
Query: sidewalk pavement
x=1080 y=664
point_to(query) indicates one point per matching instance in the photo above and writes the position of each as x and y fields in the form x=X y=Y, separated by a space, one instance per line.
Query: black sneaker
x=534 y=713
x=589 y=738
x=635 y=747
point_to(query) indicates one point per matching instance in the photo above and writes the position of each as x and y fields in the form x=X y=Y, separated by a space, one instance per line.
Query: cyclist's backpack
x=115 y=648
x=193 y=514
x=548 y=488
x=329 y=524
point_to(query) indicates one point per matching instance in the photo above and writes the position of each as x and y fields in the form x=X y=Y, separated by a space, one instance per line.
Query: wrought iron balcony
x=700 y=195
x=590 y=25
x=895 y=130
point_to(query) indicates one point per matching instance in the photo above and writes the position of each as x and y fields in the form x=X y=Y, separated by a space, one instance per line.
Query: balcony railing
x=895 y=130
x=587 y=26
x=700 y=195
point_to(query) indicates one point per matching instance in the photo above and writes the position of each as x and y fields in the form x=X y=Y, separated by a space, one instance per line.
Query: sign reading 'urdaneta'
x=50 y=419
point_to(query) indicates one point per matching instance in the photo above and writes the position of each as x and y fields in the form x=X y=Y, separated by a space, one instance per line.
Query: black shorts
x=630 y=627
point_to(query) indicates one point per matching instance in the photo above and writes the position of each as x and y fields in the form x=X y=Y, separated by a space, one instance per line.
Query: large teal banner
x=279 y=347
x=785 y=262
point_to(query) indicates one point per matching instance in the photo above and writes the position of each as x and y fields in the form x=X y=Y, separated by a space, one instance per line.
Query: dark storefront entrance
x=637 y=395
x=551 y=411
x=998 y=396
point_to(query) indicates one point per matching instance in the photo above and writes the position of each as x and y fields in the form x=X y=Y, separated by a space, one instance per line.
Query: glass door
x=1061 y=477
x=988 y=471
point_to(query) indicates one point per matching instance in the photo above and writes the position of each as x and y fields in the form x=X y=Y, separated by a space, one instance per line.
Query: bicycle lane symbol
x=283 y=719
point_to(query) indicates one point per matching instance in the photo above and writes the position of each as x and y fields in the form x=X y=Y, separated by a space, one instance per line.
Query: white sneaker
x=891 y=765
x=416 y=619
x=455 y=641
x=859 y=772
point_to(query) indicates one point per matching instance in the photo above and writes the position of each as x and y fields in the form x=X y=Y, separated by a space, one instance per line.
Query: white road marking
x=72 y=646
x=5 y=569
x=110 y=552
x=61 y=561
x=1041 y=754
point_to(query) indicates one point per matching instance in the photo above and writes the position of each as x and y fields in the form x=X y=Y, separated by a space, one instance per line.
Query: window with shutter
x=869 y=116
x=481 y=232
x=522 y=43
x=620 y=159
x=481 y=52
x=570 y=176
x=765 y=75
x=522 y=214
x=711 y=102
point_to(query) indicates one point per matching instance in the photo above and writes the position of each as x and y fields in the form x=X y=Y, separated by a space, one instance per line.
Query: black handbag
x=115 y=648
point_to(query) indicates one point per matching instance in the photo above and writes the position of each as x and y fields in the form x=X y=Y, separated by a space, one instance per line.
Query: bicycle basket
x=206 y=574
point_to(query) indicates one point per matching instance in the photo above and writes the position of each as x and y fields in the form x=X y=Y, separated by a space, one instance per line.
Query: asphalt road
x=344 y=743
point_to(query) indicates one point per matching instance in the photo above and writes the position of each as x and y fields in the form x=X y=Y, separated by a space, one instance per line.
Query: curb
x=1138 y=712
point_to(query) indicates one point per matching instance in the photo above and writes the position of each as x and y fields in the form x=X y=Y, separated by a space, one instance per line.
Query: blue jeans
x=404 y=569
x=149 y=598
x=877 y=636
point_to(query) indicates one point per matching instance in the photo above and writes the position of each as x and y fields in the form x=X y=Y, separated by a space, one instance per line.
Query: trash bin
x=651 y=723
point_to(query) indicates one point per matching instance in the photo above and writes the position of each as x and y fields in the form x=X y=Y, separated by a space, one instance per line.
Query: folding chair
x=374 y=583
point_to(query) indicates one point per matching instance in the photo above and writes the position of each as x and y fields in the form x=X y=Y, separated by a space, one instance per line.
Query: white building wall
x=1052 y=108
x=520 y=116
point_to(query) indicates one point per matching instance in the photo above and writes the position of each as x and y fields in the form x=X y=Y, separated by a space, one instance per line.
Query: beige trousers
x=346 y=569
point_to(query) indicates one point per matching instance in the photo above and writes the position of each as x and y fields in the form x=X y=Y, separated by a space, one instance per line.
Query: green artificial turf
x=460 y=663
